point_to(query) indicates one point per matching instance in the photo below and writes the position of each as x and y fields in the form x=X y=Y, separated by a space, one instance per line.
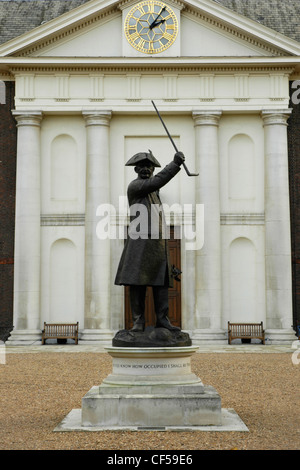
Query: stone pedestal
x=151 y=366
x=151 y=388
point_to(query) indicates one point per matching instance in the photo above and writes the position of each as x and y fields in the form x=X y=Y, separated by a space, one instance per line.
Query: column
x=97 y=252
x=208 y=259
x=26 y=316
x=279 y=310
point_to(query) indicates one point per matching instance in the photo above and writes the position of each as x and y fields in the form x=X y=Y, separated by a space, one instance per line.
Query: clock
x=151 y=27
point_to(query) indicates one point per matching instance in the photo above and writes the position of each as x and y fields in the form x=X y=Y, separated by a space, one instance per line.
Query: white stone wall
x=78 y=127
x=83 y=107
x=81 y=159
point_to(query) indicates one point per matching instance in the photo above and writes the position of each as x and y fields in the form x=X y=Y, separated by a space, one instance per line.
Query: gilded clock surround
x=151 y=27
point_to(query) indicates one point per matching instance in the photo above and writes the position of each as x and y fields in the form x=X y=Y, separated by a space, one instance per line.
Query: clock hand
x=153 y=22
x=153 y=25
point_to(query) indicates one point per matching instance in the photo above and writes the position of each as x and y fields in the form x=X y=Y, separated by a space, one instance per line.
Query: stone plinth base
x=230 y=422
x=151 y=389
x=187 y=405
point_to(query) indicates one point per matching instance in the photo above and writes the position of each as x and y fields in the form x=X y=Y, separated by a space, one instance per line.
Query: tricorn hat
x=141 y=156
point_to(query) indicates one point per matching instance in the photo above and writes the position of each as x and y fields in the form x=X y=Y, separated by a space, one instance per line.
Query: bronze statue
x=145 y=259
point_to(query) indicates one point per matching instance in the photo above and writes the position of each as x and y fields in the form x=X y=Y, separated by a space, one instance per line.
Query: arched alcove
x=242 y=281
x=64 y=168
x=63 y=281
x=241 y=167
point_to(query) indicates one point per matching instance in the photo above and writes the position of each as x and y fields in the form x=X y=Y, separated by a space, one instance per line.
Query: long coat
x=145 y=260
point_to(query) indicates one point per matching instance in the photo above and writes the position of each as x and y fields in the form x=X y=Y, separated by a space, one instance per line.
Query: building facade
x=83 y=84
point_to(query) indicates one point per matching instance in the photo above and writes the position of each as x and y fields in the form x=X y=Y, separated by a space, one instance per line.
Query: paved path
x=205 y=348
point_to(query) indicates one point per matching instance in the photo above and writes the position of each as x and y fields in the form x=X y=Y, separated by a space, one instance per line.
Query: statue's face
x=144 y=170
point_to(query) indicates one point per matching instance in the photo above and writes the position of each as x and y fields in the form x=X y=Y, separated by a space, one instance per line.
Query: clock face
x=151 y=27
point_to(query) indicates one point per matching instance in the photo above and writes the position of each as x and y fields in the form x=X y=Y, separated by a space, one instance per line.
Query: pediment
x=206 y=29
x=100 y=38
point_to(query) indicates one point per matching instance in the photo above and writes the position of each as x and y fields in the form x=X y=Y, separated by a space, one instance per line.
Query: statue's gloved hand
x=178 y=158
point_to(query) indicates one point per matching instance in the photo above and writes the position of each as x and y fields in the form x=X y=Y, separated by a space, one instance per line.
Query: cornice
x=153 y=69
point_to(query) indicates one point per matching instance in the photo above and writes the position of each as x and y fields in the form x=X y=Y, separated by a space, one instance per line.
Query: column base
x=209 y=336
x=24 y=337
x=96 y=336
x=280 y=336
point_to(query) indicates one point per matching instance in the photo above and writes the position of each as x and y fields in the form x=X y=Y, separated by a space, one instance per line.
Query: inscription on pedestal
x=140 y=366
x=149 y=368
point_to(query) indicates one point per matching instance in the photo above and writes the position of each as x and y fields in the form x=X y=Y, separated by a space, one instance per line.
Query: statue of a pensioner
x=145 y=258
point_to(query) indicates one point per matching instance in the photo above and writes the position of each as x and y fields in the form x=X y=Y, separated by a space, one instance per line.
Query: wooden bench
x=60 y=331
x=246 y=331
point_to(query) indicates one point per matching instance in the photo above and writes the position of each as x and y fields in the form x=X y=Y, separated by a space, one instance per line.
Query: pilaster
x=97 y=252
x=279 y=314
x=208 y=259
x=27 y=231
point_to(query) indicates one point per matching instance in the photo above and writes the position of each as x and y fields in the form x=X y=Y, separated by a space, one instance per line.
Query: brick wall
x=7 y=209
x=294 y=169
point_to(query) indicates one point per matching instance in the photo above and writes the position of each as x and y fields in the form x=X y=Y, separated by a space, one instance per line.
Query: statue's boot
x=161 y=303
x=138 y=327
x=165 y=323
x=137 y=304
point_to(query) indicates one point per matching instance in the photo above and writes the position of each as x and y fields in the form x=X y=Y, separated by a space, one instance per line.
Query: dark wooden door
x=174 y=293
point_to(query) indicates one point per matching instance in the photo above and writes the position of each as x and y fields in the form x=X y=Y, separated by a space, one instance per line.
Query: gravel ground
x=39 y=390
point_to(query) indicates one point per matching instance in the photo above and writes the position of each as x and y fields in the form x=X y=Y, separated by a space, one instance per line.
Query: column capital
x=97 y=118
x=275 y=116
x=206 y=117
x=28 y=118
